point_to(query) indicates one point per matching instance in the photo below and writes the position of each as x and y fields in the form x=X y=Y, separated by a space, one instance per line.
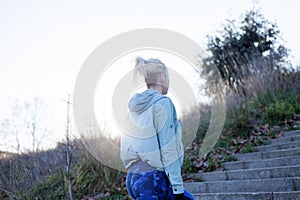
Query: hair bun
x=140 y=66
x=140 y=61
x=147 y=68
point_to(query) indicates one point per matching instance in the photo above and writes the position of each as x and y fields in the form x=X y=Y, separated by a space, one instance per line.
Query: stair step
x=255 y=185
x=291 y=133
x=284 y=139
x=261 y=173
x=271 y=173
x=272 y=147
x=269 y=154
x=254 y=164
x=249 y=196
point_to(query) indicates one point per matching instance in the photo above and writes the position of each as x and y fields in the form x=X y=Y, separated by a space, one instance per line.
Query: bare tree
x=8 y=129
x=25 y=121
x=68 y=152
x=21 y=127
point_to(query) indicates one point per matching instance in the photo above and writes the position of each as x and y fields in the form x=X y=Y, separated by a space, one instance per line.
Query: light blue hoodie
x=154 y=136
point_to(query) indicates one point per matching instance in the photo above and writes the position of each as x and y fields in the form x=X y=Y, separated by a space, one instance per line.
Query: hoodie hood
x=142 y=101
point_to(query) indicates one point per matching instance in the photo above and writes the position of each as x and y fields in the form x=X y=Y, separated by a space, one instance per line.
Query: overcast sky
x=44 y=43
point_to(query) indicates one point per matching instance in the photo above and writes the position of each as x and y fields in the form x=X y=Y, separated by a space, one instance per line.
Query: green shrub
x=212 y=164
x=248 y=148
x=280 y=107
x=229 y=158
x=188 y=166
x=279 y=111
x=91 y=178
x=53 y=187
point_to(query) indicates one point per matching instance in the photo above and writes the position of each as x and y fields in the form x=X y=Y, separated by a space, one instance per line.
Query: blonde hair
x=150 y=70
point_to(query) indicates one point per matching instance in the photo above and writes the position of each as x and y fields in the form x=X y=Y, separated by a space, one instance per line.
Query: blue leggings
x=152 y=185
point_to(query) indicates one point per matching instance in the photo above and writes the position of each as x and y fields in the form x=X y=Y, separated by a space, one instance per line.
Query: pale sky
x=44 y=43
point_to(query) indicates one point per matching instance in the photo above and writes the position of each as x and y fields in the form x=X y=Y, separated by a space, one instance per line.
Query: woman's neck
x=156 y=87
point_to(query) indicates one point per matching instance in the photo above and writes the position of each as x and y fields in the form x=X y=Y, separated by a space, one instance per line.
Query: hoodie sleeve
x=169 y=136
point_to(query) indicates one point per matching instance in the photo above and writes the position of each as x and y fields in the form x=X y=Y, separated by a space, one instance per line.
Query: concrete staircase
x=270 y=173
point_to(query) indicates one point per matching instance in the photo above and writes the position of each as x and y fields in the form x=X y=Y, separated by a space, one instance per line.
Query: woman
x=151 y=149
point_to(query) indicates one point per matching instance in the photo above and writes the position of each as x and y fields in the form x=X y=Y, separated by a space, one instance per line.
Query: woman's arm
x=165 y=122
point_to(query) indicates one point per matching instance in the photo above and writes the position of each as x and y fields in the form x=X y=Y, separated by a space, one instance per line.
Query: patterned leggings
x=153 y=185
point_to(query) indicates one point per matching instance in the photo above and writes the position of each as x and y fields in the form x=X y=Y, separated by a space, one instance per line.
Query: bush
x=278 y=107
x=53 y=187
x=93 y=177
x=246 y=48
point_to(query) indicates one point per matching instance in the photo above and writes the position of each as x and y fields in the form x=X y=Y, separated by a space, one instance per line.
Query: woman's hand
x=179 y=196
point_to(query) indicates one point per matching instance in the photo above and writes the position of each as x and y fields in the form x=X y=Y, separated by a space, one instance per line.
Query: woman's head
x=155 y=73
